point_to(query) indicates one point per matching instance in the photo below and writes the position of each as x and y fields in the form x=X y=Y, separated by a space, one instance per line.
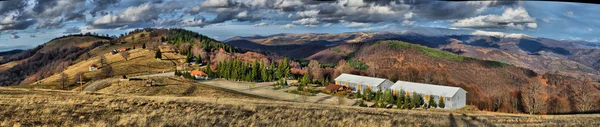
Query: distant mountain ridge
x=544 y=55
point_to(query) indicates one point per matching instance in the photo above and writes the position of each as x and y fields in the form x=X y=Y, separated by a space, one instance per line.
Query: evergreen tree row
x=252 y=72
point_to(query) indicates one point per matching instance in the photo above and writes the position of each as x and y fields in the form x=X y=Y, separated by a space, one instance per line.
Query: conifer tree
x=432 y=102
x=441 y=103
x=263 y=72
x=199 y=59
x=407 y=102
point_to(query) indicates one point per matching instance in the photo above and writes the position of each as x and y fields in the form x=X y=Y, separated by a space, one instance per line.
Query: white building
x=359 y=83
x=454 y=97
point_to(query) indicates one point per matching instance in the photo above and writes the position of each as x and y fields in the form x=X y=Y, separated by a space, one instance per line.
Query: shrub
x=442 y=104
x=357 y=64
x=490 y=63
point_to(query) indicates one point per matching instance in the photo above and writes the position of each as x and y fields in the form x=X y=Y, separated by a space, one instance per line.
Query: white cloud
x=570 y=14
x=287 y=26
x=590 y=29
x=375 y=27
x=327 y=24
x=305 y=14
x=260 y=24
x=517 y=18
x=531 y=25
x=14 y=36
x=408 y=15
x=546 y=20
x=306 y=21
x=129 y=15
x=357 y=24
x=194 y=22
x=408 y=23
x=499 y=34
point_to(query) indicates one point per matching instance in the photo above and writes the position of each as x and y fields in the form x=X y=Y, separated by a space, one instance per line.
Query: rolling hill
x=543 y=55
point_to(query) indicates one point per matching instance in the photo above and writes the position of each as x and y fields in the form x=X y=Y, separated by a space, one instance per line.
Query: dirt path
x=265 y=89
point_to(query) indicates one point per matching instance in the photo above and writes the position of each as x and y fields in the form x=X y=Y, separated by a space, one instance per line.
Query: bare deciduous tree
x=64 y=79
x=125 y=55
x=532 y=99
x=315 y=70
x=103 y=61
x=79 y=77
x=582 y=96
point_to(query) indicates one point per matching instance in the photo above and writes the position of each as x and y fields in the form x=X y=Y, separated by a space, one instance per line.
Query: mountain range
x=578 y=59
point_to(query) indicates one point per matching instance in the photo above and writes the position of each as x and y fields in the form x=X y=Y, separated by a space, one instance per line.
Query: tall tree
x=103 y=61
x=432 y=102
x=158 y=54
x=442 y=104
x=532 y=98
x=64 y=79
x=144 y=46
x=315 y=70
x=263 y=71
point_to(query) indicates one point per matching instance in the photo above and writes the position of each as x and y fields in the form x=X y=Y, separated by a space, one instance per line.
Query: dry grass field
x=22 y=107
x=170 y=87
x=141 y=61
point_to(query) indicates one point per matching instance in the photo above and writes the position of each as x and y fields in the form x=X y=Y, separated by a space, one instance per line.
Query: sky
x=28 y=23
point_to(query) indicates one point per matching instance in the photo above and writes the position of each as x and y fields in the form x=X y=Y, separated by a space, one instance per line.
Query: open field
x=59 y=108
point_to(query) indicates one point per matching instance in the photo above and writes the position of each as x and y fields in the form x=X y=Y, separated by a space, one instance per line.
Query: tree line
x=253 y=72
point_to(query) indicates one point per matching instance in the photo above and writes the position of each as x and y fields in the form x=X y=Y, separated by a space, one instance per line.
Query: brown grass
x=57 y=108
x=141 y=61
x=170 y=86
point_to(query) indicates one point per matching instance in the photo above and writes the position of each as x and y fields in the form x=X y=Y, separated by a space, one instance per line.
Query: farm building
x=199 y=74
x=359 y=83
x=334 y=88
x=93 y=67
x=454 y=97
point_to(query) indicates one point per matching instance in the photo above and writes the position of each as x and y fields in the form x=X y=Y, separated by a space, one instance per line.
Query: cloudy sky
x=27 y=23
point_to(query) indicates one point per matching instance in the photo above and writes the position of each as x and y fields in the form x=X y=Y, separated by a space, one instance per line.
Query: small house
x=454 y=97
x=93 y=67
x=199 y=74
x=123 y=49
x=359 y=83
x=334 y=88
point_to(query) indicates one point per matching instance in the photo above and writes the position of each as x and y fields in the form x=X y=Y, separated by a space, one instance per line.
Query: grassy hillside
x=56 y=108
x=482 y=79
x=141 y=61
x=47 y=59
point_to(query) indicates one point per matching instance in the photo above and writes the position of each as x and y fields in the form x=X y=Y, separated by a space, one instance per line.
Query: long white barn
x=360 y=83
x=454 y=97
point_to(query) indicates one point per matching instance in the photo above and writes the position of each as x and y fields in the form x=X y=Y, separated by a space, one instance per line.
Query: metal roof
x=437 y=90
x=363 y=80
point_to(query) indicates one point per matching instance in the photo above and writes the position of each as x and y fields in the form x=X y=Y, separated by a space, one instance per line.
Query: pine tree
x=144 y=46
x=158 y=54
x=305 y=79
x=401 y=97
x=367 y=94
x=199 y=59
x=189 y=58
x=209 y=70
x=255 y=71
x=286 y=67
x=432 y=102
x=263 y=72
x=407 y=102
x=441 y=103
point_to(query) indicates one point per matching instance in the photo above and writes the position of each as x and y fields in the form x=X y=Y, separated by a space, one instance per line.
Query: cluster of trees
x=256 y=71
x=185 y=74
x=178 y=37
x=402 y=100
